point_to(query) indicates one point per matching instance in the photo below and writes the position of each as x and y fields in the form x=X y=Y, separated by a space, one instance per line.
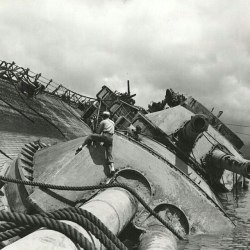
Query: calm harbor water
x=237 y=205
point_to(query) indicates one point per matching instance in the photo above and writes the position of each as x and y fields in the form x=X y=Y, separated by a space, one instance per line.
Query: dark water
x=237 y=206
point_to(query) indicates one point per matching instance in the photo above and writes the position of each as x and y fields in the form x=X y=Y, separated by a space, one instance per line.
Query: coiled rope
x=40 y=221
x=92 y=218
x=110 y=240
x=82 y=217
x=16 y=231
x=103 y=186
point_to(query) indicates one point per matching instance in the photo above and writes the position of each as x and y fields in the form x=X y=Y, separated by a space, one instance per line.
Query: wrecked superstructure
x=163 y=189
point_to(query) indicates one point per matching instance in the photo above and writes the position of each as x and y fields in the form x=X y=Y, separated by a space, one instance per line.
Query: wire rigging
x=238 y=125
x=242 y=133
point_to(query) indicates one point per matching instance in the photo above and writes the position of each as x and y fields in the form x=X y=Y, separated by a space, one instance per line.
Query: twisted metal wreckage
x=162 y=192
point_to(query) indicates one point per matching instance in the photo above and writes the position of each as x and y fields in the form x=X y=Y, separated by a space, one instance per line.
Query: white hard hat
x=106 y=113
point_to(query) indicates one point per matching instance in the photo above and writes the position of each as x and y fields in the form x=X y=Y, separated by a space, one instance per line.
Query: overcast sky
x=200 y=48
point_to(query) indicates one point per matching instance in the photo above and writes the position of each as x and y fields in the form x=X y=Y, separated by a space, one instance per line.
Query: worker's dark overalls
x=105 y=137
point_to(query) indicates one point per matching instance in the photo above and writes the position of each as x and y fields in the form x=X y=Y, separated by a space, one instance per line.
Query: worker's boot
x=111 y=168
x=78 y=150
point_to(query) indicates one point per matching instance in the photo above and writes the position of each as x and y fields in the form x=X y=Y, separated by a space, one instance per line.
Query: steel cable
x=51 y=123
x=16 y=109
x=3 y=153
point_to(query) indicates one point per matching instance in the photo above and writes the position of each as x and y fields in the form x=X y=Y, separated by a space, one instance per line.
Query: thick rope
x=7 y=226
x=94 y=225
x=40 y=221
x=17 y=231
x=83 y=188
x=98 y=223
x=86 y=224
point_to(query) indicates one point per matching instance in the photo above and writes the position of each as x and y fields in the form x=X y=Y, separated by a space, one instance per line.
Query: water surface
x=237 y=206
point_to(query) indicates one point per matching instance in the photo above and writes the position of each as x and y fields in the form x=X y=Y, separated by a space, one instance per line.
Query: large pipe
x=196 y=125
x=114 y=207
x=226 y=161
x=157 y=237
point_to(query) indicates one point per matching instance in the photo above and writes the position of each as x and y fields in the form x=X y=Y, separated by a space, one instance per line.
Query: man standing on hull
x=105 y=134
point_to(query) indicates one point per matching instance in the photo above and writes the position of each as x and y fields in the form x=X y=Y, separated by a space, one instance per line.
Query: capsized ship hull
x=39 y=136
x=58 y=165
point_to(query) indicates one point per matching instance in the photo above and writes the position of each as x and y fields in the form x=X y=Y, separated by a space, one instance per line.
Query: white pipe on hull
x=114 y=207
x=157 y=237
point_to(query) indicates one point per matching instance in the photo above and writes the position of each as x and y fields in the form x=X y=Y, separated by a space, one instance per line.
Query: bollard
x=114 y=207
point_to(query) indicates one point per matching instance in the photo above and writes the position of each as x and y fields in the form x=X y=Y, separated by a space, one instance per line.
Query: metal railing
x=37 y=82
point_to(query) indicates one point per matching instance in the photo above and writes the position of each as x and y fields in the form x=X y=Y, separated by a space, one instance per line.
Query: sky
x=196 y=47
